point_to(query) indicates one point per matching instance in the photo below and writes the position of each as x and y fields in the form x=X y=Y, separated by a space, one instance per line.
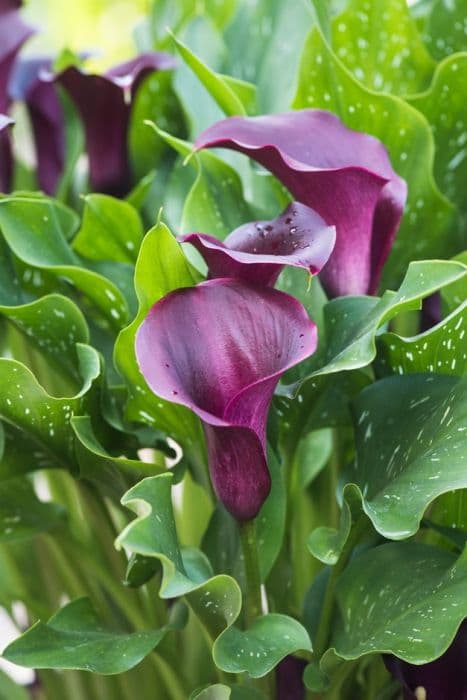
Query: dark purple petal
x=13 y=33
x=220 y=348
x=431 y=312
x=104 y=104
x=346 y=176
x=289 y=681
x=46 y=115
x=441 y=679
x=257 y=251
x=6 y=160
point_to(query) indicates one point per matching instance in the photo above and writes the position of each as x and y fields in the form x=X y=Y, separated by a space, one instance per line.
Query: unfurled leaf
x=410 y=438
x=257 y=650
x=75 y=638
x=111 y=230
x=443 y=106
x=444 y=31
x=37 y=229
x=442 y=349
x=216 y=600
x=413 y=612
x=43 y=419
x=380 y=44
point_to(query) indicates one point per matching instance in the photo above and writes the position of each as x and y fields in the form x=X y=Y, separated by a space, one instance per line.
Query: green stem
x=322 y=634
x=253 y=607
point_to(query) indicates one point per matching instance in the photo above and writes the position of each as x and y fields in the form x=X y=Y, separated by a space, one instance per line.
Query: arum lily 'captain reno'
x=46 y=116
x=104 y=103
x=257 y=251
x=346 y=176
x=442 y=679
x=220 y=348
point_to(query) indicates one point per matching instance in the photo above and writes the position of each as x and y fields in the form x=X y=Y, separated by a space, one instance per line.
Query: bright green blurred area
x=104 y=27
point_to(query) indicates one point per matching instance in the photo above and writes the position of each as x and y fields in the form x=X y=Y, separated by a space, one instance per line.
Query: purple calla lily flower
x=13 y=33
x=289 y=681
x=441 y=679
x=257 y=251
x=6 y=162
x=46 y=115
x=104 y=104
x=220 y=348
x=346 y=176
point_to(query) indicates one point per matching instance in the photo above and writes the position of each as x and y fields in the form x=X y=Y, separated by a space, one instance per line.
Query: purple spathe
x=344 y=175
x=257 y=251
x=46 y=115
x=442 y=679
x=6 y=161
x=220 y=348
x=104 y=104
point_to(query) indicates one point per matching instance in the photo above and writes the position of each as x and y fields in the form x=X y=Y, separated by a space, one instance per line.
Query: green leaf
x=413 y=612
x=111 y=229
x=215 y=203
x=96 y=464
x=326 y=543
x=44 y=421
x=262 y=38
x=53 y=325
x=443 y=105
x=441 y=349
x=325 y=83
x=260 y=648
x=455 y=293
x=351 y=323
x=218 y=88
x=216 y=600
x=379 y=43
x=36 y=229
x=225 y=692
x=445 y=30
x=22 y=514
x=161 y=267
x=9 y=690
x=75 y=638
x=409 y=439
x=155 y=99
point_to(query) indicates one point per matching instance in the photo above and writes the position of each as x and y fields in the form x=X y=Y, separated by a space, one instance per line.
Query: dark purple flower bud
x=46 y=115
x=13 y=33
x=441 y=679
x=6 y=161
x=104 y=103
x=431 y=312
x=289 y=681
x=346 y=176
x=220 y=348
x=257 y=252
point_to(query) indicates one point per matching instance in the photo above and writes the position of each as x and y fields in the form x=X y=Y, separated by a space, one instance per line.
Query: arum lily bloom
x=220 y=348
x=441 y=679
x=104 y=103
x=344 y=175
x=257 y=252
x=46 y=116
x=6 y=163
x=13 y=33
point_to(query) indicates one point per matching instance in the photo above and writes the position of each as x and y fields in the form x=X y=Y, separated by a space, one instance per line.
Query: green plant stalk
x=253 y=605
x=323 y=632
